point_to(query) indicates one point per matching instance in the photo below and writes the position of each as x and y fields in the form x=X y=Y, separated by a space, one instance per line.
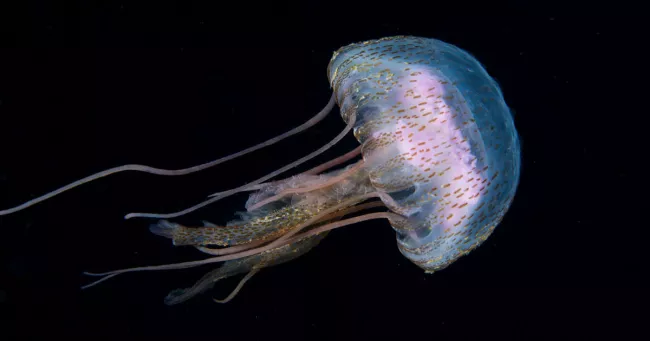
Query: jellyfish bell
x=439 y=140
x=439 y=152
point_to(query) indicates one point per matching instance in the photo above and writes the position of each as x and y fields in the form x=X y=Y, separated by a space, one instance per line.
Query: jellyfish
x=438 y=151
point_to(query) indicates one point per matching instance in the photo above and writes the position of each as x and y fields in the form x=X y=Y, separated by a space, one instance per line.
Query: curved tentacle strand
x=238 y=287
x=316 y=170
x=246 y=187
x=252 y=264
x=312 y=187
x=175 y=172
x=276 y=243
x=254 y=244
x=263 y=225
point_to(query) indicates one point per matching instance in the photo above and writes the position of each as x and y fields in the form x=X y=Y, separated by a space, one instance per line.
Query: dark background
x=85 y=87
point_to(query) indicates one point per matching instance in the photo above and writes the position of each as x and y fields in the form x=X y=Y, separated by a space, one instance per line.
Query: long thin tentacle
x=174 y=172
x=239 y=286
x=97 y=282
x=335 y=162
x=328 y=227
x=277 y=243
x=246 y=187
x=240 y=248
x=231 y=249
x=321 y=229
x=306 y=189
x=281 y=242
x=316 y=170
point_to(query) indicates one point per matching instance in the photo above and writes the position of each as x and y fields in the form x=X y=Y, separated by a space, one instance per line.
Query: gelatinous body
x=439 y=150
x=437 y=136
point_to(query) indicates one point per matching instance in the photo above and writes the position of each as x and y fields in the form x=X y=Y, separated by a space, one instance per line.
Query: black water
x=87 y=87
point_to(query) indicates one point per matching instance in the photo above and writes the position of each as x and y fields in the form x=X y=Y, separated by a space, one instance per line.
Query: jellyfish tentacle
x=97 y=281
x=238 y=287
x=247 y=187
x=255 y=228
x=334 y=162
x=331 y=181
x=335 y=215
x=392 y=217
x=230 y=249
x=296 y=239
x=252 y=264
x=350 y=210
x=274 y=244
x=228 y=269
x=316 y=170
x=175 y=172
x=292 y=249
